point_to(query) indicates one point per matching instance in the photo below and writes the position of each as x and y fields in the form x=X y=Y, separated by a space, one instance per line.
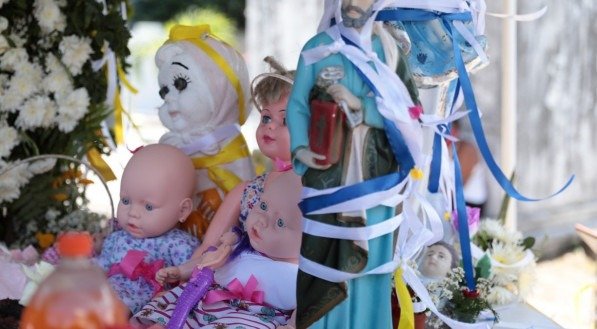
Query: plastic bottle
x=77 y=294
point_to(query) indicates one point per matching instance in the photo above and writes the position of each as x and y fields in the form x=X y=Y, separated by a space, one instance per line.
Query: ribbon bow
x=236 y=290
x=133 y=267
x=222 y=177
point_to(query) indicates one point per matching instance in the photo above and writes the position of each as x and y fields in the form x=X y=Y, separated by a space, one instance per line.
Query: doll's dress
x=276 y=279
x=174 y=248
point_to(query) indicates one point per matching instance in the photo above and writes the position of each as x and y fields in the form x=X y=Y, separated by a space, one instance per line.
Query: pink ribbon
x=133 y=267
x=235 y=290
x=27 y=256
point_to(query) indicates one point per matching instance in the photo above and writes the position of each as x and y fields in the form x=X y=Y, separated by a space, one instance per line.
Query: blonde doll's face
x=272 y=133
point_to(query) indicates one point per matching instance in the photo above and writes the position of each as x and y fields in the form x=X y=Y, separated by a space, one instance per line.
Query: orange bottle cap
x=75 y=244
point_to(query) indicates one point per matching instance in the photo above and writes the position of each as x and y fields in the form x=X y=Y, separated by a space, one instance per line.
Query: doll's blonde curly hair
x=270 y=87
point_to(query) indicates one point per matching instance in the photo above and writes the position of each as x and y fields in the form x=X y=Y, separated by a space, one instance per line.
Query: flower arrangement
x=455 y=300
x=53 y=98
x=508 y=258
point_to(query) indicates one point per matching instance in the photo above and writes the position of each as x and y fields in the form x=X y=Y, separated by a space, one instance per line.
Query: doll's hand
x=168 y=275
x=308 y=157
x=340 y=94
x=217 y=258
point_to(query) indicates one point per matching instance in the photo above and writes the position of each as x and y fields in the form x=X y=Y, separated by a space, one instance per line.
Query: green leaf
x=483 y=267
x=528 y=242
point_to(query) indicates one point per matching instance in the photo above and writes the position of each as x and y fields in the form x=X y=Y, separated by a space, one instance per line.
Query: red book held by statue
x=326 y=130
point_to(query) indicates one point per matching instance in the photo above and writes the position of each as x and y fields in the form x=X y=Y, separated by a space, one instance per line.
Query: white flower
x=3 y=24
x=507 y=253
x=526 y=280
x=42 y=166
x=4 y=46
x=500 y=296
x=504 y=276
x=492 y=227
x=52 y=214
x=12 y=181
x=58 y=81
x=71 y=108
x=38 y=111
x=49 y=16
x=13 y=57
x=75 y=52
x=18 y=39
x=9 y=138
x=36 y=274
x=10 y=101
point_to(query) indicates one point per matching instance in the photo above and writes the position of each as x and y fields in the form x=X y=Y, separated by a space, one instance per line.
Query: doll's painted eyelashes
x=163 y=91
x=181 y=82
x=149 y=207
x=125 y=201
x=263 y=206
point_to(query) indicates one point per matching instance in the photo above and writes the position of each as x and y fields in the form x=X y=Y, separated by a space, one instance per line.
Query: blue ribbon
x=463 y=233
x=469 y=96
x=378 y=184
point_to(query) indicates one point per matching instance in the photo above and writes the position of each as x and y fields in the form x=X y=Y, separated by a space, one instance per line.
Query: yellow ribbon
x=224 y=178
x=407 y=311
x=118 y=108
x=96 y=160
x=195 y=35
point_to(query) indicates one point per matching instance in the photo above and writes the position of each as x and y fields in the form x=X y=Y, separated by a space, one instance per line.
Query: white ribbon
x=522 y=17
x=207 y=141
x=352 y=233
x=478 y=253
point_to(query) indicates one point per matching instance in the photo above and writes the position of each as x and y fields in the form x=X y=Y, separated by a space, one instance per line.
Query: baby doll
x=155 y=195
x=438 y=259
x=270 y=95
x=257 y=287
x=204 y=85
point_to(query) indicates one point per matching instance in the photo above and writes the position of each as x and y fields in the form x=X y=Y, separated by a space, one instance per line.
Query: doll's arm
x=224 y=219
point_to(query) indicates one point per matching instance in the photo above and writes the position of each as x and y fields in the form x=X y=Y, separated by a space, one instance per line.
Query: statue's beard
x=359 y=21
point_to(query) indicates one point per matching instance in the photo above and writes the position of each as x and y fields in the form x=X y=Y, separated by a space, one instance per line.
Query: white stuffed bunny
x=204 y=83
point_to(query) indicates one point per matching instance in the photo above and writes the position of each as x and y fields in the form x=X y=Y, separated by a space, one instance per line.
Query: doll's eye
x=263 y=206
x=149 y=207
x=265 y=119
x=284 y=121
x=180 y=82
x=125 y=201
x=163 y=92
x=280 y=222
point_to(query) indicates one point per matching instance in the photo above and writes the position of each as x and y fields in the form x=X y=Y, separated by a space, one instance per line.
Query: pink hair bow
x=133 y=267
x=235 y=290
